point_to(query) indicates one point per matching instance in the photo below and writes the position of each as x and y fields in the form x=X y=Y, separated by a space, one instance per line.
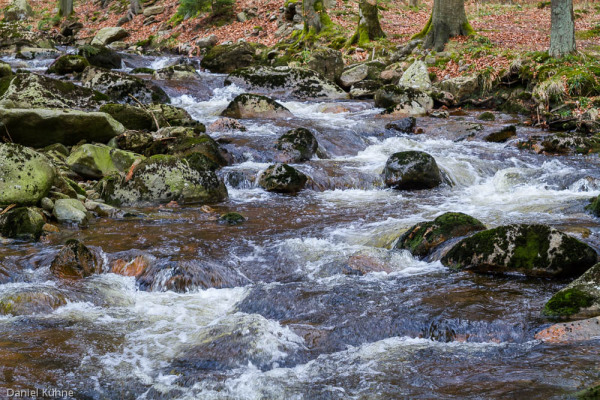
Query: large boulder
x=75 y=261
x=461 y=87
x=359 y=72
x=26 y=90
x=298 y=83
x=132 y=117
x=579 y=299
x=281 y=178
x=18 y=10
x=121 y=87
x=161 y=179
x=26 y=176
x=68 y=64
x=42 y=127
x=533 y=250
x=94 y=161
x=422 y=238
x=70 y=211
x=403 y=100
x=416 y=76
x=108 y=35
x=411 y=170
x=22 y=223
x=296 y=145
x=228 y=58
x=101 y=56
x=255 y=106
x=328 y=62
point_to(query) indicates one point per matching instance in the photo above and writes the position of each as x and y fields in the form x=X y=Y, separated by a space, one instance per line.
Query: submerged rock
x=296 y=145
x=411 y=170
x=502 y=135
x=68 y=64
x=26 y=176
x=75 y=261
x=580 y=298
x=70 y=211
x=423 y=237
x=281 y=178
x=228 y=58
x=533 y=250
x=27 y=301
x=43 y=127
x=22 y=223
x=403 y=100
x=255 y=106
x=286 y=82
x=96 y=160
x=161 y=179
x=231 y=218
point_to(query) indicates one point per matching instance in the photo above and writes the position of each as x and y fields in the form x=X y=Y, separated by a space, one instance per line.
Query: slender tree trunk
x=448 y=19
x=65 y=8
x=369 y=27
x=315 y=16
x=562 y=33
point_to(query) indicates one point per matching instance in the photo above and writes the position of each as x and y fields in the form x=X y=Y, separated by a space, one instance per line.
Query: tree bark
x=369 y=27
x=65 y=8
x=448 y=19
x=136 y=7
x=315 y=16
x=413 y=3
x=562 y=33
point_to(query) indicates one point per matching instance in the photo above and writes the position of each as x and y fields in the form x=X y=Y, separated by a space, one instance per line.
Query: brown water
x=268 y=309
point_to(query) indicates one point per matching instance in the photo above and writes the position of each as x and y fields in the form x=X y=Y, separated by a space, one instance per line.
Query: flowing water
x=274 y=308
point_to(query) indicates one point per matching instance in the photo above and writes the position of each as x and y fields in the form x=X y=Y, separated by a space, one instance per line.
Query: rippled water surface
x=274 y=310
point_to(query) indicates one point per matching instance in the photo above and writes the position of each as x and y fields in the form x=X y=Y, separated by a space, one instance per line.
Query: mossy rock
x=594 y=206
x=591 y=393
x=94 y=161
x=281 y=178
x=28 y=90
x=580 y=298
x=161 y=179
x=328 y=62
x=68 y=64
x=486 y=116
x=228 y=58
x=101 y=56
x=296 y=145
x=180 y=72
x=502 y=135
x=411 y=170
x=135 y=141
x=167 y=115
x=43 y=127
x=532 y=250
x=255 y=106
x=422 y=238
x=203 y=144
x=27 y=301
x=132 y=117
x=5 y=69
x=299 y=83
x=70 y=211
x=25 y=175
x=403 y=100
x=231 y=218
x=22 y=223
x=75 y=261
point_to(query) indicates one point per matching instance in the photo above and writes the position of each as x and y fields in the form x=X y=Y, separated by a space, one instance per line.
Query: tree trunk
x=413 y=3
x=315 y=16
x=65 y=8
x=368 y=24
x=136 y=7
x=448 y=19
x=562 y=33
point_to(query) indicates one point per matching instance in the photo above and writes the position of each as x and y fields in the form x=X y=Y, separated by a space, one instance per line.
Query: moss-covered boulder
x=70 y=211
x=403 y=100
x=17 y=10
x=231 y=218
x=255 y=106
x=594 y=206
x=416 y=76
x=327 y=62
x=296 y=145
x=27 y=90
x=298 y=83
x=68 y=64
x=161 y=179
x=26 y=176
x=75 y=261
x=5 y=69
x=365 y=89
x=533 y=250
x=579 y=299
x=135 y=141
x=353 y=74
x=94 y=161
x=42 y=127
x=502 y=135
x=169 y=116
x=132 y=117
x=423 y=237
x=281 y=178
x=179 y=72
x=101 y=56
x=121 y=87
x=486 y=116
x=228 y=58
x=27 y=301
x=108 y=35
x=411 y=170
x=22 y=223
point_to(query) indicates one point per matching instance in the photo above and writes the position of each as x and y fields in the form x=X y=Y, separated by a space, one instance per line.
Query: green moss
x=424 y=32
x=487 y=116
x=594 y=206
x=567 y=302
x=592 y=393
x=231 y=218
x=502 y=135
